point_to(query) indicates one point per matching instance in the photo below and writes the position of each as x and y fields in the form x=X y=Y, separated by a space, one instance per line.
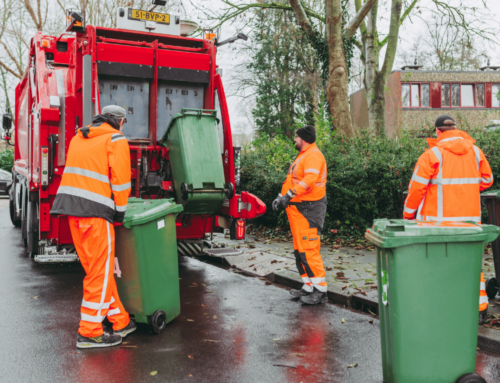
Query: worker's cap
x=307 y=133
x=116 y=111
x=444 y=121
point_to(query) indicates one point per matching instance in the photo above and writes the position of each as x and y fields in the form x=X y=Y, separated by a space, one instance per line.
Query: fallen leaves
x=342 y=320
x=274 y=261
x=215 y=316
x=129 y=346
x=190 y=320
x=194 y=285
x=210 y=341
x=190 y=356
x=35 y=297
x=277 y=339
x=296 y=354
x=352 y=365
x=153 y=373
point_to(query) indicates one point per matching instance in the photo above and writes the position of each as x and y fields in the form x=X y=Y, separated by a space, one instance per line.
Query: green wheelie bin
x=428 y=290
x=146 y=265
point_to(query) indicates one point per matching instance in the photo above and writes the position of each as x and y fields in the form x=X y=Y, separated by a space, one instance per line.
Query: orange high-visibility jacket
x=448 y=179
x=96 y=180
x=306 y=176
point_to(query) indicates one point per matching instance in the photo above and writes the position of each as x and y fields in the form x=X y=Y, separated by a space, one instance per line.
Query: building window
x=495 y=94
x=415 y=95
x=462 y=95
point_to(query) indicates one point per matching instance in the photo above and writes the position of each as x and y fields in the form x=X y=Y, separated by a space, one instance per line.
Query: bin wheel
x=229 y=190
x=471 y=378
x=184 y=191
x=491 y=287
x=158 y=321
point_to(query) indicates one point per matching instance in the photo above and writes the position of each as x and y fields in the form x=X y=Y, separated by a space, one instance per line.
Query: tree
x=329 y=47
x=462 y=18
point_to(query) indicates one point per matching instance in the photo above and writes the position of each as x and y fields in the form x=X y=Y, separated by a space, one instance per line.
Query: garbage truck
x=151 y=67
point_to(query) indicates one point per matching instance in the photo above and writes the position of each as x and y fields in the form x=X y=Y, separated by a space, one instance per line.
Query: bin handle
x=199 y=112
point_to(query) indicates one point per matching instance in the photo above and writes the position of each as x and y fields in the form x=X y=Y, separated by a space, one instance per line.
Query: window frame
x=493 y=95
x=410 y=83
x=474 y=94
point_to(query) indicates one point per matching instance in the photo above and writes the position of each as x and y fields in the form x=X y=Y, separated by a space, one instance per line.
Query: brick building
x=415 y=98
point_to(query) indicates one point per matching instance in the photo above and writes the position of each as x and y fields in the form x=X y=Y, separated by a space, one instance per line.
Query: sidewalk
x=351 y=274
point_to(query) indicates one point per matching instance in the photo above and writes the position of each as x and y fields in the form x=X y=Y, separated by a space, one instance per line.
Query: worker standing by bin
x=93 y=193
x=447 y=182
x=304 y=196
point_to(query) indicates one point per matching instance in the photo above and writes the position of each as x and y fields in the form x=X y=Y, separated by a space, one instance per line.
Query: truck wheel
x=14 y=217
x=32 y=225
x=158 y=321
x=491 y=288
x=470 y=378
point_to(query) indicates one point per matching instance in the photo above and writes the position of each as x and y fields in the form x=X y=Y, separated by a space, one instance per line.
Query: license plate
x=135 y=14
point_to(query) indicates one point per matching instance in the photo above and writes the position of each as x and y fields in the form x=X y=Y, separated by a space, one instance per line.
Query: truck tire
x=32 y=225
x=14 y=217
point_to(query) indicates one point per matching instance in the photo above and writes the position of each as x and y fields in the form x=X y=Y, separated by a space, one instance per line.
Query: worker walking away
x=303 y=195
x=447 y=182
x=93 y=193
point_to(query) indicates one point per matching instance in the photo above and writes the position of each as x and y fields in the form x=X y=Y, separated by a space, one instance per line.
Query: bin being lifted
x=147 y=67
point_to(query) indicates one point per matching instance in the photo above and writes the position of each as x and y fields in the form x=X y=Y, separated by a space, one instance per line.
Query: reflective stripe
x=450 y=219
x=323 y=289
x=304 y=185
x=414 y=173
x=307 y=288
x=306 y=279
x=77 y=192
x=87 y=173
x=455 y=181
x=95 y=306
x=487 y=180
x=121 y=209
x=410 y=211
x=121 y=187
x=116 y=137
x=114 y=312
x=452 y=139
x=483 y=299
x=106 y=271
x=478 y=156
x=320 y=184
x=422 y=180
x=317 y=281
x=482 y=286
x=315 y=171
x=92 y=318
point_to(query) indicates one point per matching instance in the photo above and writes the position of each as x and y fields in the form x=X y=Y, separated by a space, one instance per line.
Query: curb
x=488 y=339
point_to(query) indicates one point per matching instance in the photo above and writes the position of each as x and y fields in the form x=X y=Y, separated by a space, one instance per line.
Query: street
x=232 y=328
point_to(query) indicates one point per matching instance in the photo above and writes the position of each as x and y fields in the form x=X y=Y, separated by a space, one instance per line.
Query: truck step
x=52 y=255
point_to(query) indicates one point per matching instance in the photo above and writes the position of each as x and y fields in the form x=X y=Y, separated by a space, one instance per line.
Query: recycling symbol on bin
x=385 y=286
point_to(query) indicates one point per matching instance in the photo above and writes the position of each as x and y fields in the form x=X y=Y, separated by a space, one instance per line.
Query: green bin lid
x=199 y=113
x=141 y=211
x=491 y=193
x=391 y=233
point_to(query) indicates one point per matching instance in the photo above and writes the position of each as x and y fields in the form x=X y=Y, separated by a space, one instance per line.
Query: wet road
x=232 y=329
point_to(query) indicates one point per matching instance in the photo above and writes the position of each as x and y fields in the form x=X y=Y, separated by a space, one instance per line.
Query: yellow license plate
x=136 y=14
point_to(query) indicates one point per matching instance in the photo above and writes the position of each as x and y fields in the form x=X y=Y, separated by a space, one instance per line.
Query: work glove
x=282 y=201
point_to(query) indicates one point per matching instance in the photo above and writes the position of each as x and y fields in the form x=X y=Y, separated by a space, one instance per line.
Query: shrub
x=367 y=175
x=7 y=160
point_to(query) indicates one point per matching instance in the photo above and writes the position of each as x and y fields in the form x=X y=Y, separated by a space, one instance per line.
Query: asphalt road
x=256 y=333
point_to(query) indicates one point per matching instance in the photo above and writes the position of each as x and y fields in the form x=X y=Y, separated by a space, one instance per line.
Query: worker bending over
x=447 y=182
x=303 y=195
x=93 y=193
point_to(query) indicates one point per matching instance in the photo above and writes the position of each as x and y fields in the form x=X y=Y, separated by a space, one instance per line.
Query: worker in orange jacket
x=303 y=195
x=93 y=193
x=447 y=182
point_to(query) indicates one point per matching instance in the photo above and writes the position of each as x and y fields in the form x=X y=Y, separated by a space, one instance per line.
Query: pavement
x=232 y=328
x=350 y=274
x=4 y=201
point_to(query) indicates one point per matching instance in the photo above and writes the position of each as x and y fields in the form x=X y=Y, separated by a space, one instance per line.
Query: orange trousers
x=94 y=240
x=307 y=244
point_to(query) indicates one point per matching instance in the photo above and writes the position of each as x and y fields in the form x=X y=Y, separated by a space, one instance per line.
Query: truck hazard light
x=238 y=229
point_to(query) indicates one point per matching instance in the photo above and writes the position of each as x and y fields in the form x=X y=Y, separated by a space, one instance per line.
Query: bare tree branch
x=9 y=70
x=358 y=18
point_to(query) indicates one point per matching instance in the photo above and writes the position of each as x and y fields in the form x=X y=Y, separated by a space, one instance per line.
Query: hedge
x=7 y=160
x=367 y=175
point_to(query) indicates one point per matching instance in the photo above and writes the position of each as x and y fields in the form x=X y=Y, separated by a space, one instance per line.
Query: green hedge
x=366 y=176
x=7 y=160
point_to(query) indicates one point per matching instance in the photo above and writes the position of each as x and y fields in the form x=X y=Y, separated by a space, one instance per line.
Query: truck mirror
x=242 y=36
x=7 y=122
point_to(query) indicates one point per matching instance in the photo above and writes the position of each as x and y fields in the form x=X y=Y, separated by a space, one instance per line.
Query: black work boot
x=131 y=327
x=299 y=293
x=483 y=315
x=104 y=340
x=316 y=297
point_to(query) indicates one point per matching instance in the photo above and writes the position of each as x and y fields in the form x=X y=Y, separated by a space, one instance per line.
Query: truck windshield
x=132 y=95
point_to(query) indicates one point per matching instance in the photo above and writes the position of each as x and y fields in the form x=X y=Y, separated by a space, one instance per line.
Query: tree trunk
x=336 y=86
